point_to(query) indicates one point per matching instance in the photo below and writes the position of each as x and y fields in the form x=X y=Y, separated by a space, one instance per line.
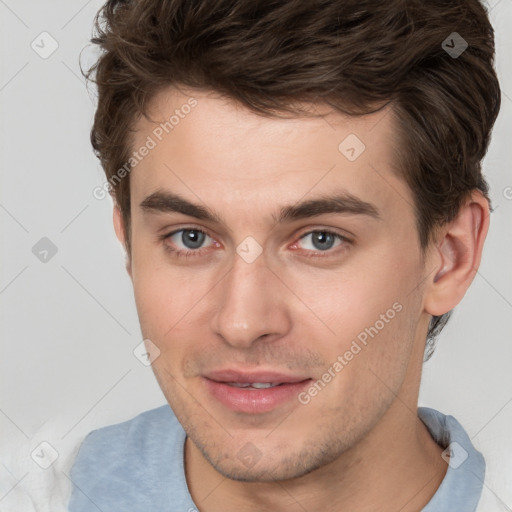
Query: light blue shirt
x=138 y=466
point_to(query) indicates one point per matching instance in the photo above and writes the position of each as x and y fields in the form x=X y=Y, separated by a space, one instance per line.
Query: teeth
x=263 y=385
x=256 y=385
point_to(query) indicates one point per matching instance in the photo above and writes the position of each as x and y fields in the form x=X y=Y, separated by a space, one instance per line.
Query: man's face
x=325 y=301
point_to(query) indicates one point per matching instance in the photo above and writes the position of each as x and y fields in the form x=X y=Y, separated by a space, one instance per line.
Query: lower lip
x=254 y=401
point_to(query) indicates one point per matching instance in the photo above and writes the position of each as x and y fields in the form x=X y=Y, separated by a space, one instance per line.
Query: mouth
x=253 y=392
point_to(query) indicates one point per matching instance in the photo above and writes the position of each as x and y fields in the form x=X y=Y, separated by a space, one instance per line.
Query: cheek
x=345 y=302
x=172 y=306
x=162 y=293
x=365 y=311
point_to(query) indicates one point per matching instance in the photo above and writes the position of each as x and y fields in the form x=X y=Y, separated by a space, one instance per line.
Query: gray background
x=69 y=324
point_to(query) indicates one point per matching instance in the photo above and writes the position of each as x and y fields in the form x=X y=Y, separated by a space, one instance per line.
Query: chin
x=250 y=465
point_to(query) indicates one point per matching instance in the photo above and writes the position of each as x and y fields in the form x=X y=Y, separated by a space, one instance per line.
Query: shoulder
x=135 y=460
x=135 y=434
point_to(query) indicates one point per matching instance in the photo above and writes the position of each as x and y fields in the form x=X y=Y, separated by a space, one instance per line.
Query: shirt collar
x=462 y=485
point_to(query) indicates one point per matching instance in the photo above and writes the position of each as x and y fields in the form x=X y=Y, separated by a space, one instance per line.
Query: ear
x=119 y=228
x=456 y=255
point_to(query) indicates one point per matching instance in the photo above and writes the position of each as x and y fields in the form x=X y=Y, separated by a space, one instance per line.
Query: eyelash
x=178 y=253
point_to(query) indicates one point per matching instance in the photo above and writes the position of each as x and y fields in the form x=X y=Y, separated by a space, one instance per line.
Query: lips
x=253 y=392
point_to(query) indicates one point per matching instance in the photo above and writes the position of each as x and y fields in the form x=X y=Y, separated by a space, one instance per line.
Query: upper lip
x=245 y=376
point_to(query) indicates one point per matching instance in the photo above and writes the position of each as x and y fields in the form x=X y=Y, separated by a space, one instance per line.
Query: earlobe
x=457 y=255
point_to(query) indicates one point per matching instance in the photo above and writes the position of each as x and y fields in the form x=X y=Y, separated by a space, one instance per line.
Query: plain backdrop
x=68 y=322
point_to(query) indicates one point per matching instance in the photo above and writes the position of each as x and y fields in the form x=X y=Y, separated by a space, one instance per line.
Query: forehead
x=211 y=148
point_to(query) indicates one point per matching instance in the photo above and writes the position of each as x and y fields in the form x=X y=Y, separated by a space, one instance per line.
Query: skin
x=295 y=308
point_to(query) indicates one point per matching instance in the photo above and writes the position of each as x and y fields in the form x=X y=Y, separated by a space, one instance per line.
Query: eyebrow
x=340 y=203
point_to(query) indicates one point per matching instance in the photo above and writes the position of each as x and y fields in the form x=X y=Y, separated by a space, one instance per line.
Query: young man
x=299 y=192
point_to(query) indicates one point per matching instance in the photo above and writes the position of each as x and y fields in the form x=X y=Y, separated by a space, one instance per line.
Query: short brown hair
x=354 y=55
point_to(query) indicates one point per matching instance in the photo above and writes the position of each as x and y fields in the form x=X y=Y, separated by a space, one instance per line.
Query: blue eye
x=187 y=241
x=192 y=238
x=322 y=240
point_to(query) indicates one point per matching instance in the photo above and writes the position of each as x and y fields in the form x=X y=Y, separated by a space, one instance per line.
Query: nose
x=251 y=304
